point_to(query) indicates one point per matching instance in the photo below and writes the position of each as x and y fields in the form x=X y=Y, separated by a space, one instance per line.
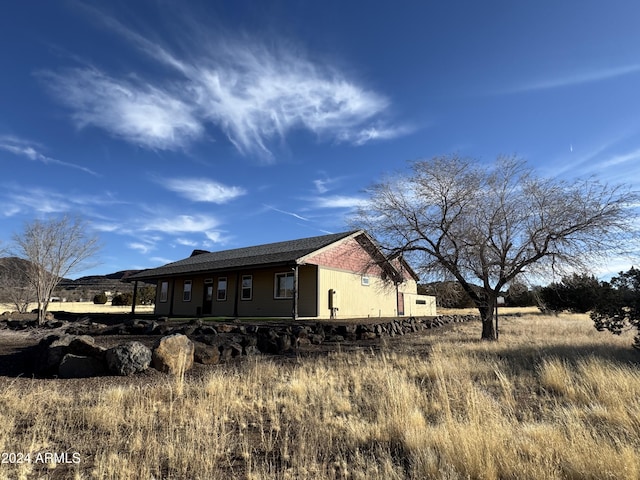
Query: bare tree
x=54 y=249
x=486 y=225
x=15 y=287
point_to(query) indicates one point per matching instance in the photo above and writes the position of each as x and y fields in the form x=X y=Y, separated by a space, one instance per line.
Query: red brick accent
x=349 y=256
x=399 y=267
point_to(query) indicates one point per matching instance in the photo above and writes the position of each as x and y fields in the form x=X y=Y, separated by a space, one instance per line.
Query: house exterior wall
x=341 y=269
x=377 y=299
x=345 y=268
x=352 y=298
x=262 y=302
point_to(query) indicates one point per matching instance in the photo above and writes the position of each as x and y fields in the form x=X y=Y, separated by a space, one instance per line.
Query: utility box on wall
x=333 y=299
x=333 y=303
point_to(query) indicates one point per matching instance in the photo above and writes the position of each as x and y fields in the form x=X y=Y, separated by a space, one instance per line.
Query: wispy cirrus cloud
x=201 y=190
x=187 y=242
x=321 y=185
x=619 y=159
x=368 y=134
x=32 y=151
x=338 y=201
x=23 y=199
x=143 y=248
x=580 y=78
x=253 y=93
x=182 y=224
x=151 y=230
x=38 y=200
x=128 y=108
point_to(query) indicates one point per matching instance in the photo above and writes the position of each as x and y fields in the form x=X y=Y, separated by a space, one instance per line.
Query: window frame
x=218 y=289
x=276 y=289
x=243 y=287
x=187 y=293
x=163 y=296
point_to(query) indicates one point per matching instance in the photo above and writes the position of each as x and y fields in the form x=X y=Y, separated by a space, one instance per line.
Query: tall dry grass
x=554 y=399
x=81 y=307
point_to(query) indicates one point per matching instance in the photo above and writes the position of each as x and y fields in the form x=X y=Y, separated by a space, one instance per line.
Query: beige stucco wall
x=419 y=305
x=378 y=299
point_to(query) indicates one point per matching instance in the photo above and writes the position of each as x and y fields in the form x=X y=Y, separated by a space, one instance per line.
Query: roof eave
x=213 y=271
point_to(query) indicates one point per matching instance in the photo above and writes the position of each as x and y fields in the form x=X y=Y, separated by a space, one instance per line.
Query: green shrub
x=122 y=299
x=100 y=299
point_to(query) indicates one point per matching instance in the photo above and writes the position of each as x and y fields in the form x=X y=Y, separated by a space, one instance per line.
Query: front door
x=207 y=301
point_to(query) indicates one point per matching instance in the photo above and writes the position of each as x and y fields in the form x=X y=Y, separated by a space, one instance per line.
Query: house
x=342 y=275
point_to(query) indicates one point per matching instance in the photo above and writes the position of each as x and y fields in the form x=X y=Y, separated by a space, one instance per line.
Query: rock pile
x=71 y=356
x=74 y=353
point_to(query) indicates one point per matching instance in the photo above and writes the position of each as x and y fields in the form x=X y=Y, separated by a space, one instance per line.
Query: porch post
x=135 y=298
x=294 y=310
x=236 y=300
x=173 y=288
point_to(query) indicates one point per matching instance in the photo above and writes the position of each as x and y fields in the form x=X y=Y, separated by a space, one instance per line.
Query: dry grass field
x=81 y=307
x=553 y=399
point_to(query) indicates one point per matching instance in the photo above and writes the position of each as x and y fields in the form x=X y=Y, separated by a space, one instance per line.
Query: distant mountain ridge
x=98 y=280
x=114 y=279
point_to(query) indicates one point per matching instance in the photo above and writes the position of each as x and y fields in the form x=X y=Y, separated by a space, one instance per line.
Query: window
x=222 y=289
x=186 y=292
x=247 y=287
x=421 y=302
x=164 y=291
x=284 y=285
x=365 y=280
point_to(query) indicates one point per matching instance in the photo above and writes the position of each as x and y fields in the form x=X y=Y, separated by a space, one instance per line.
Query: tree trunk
x=488 y=327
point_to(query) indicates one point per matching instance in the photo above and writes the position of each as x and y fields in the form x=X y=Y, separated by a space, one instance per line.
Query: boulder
x=173 y=354
x=267 y=341
x=284 y=343
x=208 y=330
x=53 y=324
x=84 y=345
x=230 y=350
x=77 y=366
x=21 y=324
x=224 y=328
x=368 y=336
x=128 y=358
x=53 y=349
x=253 y=350
x=205 y=354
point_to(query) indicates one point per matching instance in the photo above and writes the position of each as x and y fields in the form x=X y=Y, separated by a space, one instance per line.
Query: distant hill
x=106 y=282
x=110 y=281
x=14 y=263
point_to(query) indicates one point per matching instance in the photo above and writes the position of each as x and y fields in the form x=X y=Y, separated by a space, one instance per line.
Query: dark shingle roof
x=258 y=256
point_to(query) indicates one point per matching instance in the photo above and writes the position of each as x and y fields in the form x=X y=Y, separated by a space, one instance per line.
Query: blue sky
x=172 y=125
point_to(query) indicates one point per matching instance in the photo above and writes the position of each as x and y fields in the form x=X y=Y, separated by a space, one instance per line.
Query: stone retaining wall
x=71 y=352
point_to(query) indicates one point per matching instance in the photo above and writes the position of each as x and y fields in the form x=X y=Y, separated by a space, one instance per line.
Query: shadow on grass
x=530 y=357
x=18 y=363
